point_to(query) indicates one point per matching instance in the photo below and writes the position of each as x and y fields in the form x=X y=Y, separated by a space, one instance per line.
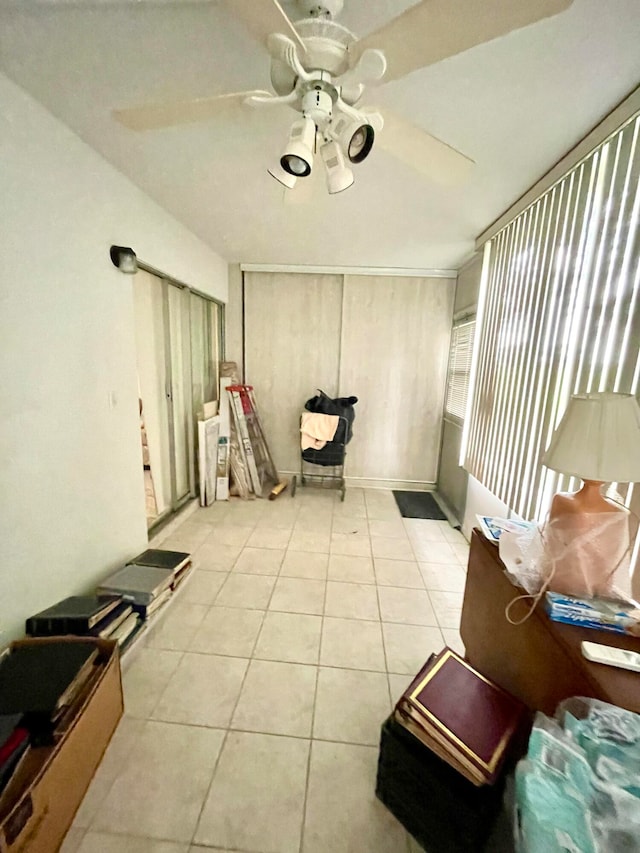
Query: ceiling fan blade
x=153 y=116
x=264 y=17
x=432 y=30
x=432 y=158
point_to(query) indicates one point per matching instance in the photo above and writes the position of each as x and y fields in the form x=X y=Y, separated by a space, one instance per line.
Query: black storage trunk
x=443 y=811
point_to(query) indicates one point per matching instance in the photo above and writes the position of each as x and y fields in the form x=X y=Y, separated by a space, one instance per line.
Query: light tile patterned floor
x=254 y=703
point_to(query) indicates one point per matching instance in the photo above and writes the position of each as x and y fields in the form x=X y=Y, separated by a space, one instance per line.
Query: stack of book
x=149 y=580
x=103 y=616
x=39 y=682
x=465 y=719
x=176 y=562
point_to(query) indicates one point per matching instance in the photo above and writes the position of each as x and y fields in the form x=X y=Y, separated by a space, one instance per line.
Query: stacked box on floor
x=443 y=811
x=39 y=802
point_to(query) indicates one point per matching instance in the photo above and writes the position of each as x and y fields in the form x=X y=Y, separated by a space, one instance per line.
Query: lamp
x=339 y=175
x=285 y=178
x=124 y=258
x=354 y=136
x=597 y=440
x=298 y=155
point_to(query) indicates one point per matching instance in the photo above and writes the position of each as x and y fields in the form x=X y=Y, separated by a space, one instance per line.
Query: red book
x=461 y=716
x=15 y=739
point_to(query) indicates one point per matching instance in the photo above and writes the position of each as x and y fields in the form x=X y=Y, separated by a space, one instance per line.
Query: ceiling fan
x=321 y=70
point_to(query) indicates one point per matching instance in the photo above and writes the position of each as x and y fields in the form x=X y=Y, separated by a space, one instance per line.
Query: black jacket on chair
x=333 y=452
x=341 y=406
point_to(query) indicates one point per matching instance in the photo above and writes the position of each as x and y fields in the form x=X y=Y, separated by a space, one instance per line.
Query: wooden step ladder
x=253 y=445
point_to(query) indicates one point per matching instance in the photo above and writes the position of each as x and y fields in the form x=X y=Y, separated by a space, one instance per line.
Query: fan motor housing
x=325 y=54
x=319 y=57
x=326 y=44
x=317 y=104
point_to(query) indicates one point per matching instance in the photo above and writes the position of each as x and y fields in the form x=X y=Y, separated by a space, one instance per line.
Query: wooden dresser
x=539 y=661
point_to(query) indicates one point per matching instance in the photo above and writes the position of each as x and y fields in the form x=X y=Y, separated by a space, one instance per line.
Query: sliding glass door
x=178 y=340
x=178 y=392
x=206 y=343
x=153 y=385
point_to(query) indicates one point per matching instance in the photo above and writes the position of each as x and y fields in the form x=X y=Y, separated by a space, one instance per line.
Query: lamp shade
x=339 y=175
x=598 y=438
x=285 y=178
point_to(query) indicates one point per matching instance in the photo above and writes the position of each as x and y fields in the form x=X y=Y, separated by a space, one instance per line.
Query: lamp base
x=586 y=542
x=588 y=499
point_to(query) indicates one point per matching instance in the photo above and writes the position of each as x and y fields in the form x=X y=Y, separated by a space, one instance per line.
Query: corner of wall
x=468 y=284
x=480 y=501
x=234 y=317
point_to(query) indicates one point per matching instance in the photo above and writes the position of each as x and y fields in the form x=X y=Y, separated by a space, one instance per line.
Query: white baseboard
x=372 y=483
x=452 y=518
x=180 y=516
x=400 y=485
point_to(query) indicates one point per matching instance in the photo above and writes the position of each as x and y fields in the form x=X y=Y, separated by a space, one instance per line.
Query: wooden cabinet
x=539 y=661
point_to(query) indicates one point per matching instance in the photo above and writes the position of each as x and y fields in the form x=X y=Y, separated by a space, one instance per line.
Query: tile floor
x=254 y=704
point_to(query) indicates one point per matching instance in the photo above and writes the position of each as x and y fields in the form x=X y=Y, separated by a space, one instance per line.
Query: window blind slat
x=503 y=259
x=483 y=375
x=549 y=217
x=495 y=448
x=620 y=263
x=535 y=345
x=551 y=327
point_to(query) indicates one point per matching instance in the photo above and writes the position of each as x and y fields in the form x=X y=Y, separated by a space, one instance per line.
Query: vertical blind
x=560 y=316
x=460 y=353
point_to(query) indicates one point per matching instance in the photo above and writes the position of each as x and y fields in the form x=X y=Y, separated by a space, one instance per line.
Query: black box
x=443 y=811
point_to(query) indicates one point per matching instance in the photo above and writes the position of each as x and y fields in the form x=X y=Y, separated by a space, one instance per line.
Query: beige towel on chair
x=316 y=429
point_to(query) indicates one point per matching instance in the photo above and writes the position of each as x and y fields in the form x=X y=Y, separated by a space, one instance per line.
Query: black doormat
x=418 y=505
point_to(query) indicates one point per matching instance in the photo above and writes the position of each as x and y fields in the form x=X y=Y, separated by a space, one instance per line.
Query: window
x=560 y=315
x=460 y=352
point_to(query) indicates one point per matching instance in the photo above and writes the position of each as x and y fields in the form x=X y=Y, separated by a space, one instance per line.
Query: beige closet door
x=292 y=346
x=395 y=346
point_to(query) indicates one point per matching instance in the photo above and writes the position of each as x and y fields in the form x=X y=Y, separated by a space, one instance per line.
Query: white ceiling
x=515 y=106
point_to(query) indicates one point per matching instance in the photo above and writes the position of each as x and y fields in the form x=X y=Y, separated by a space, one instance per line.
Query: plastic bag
x=577 y=790
x=522 y=551
x=585 y=555
x=610 y=738
x=552 y=794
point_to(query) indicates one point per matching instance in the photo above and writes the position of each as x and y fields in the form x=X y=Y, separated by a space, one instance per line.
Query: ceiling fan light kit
x=320 y=69
x=285 y=178
x=298 y=155
x=342 y=134
x=317 y=104
x=354 y=136
x=339 y=175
